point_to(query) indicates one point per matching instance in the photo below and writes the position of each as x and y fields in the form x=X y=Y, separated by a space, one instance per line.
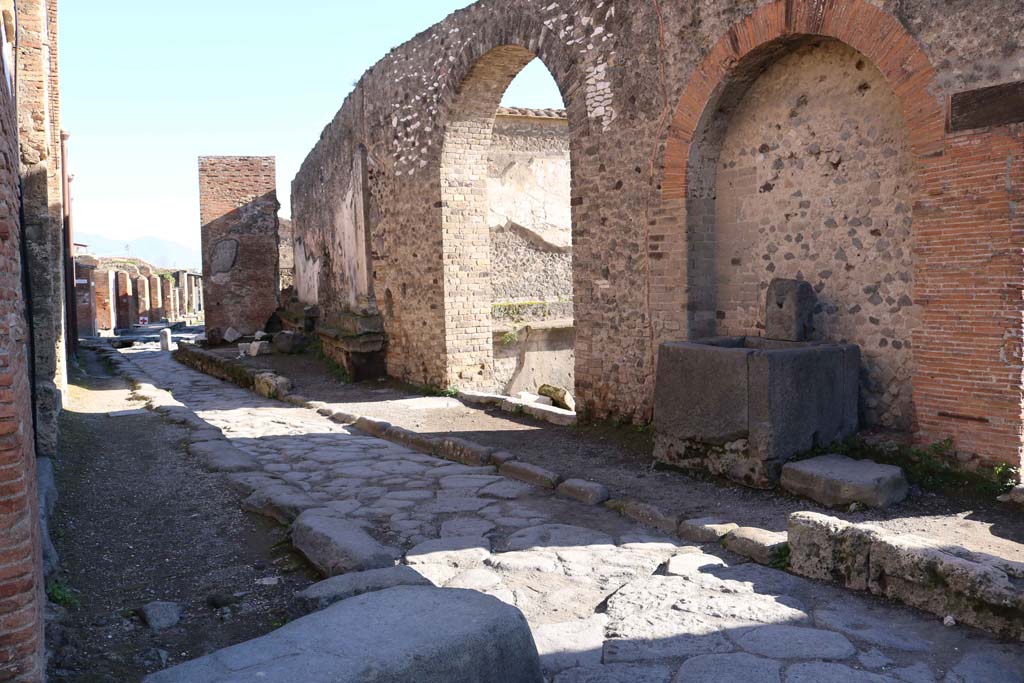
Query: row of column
x=120 y=299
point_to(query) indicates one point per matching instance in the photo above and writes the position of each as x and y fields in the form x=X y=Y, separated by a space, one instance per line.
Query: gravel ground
x=139 y=521
x=620 y=458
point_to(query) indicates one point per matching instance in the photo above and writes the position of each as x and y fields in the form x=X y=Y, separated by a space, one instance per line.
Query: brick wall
x=156 y=298
x=21 y=585
x=39 y=137
x=106 y=300
x=649 y=93
x=238 y=207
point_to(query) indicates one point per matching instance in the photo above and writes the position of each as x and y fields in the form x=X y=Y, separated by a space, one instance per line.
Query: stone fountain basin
x=743 y=406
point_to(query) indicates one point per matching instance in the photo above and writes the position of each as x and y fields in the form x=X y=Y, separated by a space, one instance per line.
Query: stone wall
x=650 y=94
x=39 y=137
x=21 y=578
x=286 y=253
x=528 y=207
x=815 y=182
x=238 y=207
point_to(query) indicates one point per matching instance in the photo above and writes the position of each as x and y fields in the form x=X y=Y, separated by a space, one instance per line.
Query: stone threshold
x=949 y=581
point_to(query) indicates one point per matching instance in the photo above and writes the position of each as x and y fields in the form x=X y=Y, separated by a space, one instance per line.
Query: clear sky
x=147 y=87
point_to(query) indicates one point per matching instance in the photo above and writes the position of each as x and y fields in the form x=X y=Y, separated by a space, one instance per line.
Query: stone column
x=106 y=300
x=142 y=304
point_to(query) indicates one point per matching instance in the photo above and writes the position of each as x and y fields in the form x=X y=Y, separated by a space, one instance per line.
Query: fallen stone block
x=559 y=396
x=408 y=634
x=531 y=474
x=704 y=529
x=762 y=546
x=231 y=335
x=837 y=481
x=336 y=546
x=338 y=588
x=588 y=492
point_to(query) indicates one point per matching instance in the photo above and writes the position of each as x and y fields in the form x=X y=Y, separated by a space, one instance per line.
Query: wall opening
x=803 y=170
x=506 y=185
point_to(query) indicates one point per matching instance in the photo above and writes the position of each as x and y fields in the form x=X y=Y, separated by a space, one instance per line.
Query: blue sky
x=147 y=87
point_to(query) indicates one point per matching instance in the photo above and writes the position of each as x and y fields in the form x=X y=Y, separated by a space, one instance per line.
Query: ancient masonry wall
x=21 y=584
x=815 y=182
x=39 y=136
x=286 y=253
x=528 y=201
x=649 y=95
x=238 y=207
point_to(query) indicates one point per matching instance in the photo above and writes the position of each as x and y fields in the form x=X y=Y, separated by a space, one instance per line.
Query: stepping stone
x=336 y=546
x=837 y=481
x=406 y=634
x=731 y=667
x=338 y=588
x=791 y=642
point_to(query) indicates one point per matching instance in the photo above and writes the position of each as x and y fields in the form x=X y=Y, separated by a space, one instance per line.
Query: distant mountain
x=153 y=250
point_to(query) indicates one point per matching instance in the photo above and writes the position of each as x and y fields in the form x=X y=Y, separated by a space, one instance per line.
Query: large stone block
x=409 y=634
x=336 y=545
x=835 y=481
x=742 y=406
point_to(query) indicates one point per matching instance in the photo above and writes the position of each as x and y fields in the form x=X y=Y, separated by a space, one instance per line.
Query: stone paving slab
x=564 y=563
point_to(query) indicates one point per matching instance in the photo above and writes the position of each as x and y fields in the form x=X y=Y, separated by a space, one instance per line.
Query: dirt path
x=138 y=521
x=621 y=459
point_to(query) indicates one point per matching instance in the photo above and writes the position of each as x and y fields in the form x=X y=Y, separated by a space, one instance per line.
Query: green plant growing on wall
x=509 y=338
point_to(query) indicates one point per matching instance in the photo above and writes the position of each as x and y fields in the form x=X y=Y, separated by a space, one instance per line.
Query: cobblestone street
x=607 y=600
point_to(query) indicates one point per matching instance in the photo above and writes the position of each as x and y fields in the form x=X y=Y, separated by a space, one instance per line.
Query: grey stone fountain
x=742 y=406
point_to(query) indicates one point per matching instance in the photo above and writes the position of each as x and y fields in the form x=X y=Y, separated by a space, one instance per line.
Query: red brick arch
x=968 y=382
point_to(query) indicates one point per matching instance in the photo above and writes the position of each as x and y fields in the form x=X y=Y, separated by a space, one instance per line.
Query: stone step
x=838 y=481
x=406 y=634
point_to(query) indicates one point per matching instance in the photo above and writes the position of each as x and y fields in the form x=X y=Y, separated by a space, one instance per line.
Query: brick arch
x=474 y=89
x=720 y=81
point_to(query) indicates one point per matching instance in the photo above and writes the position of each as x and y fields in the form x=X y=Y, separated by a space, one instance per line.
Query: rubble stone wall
x=528 y=202
x=21 y=572
x=815 y=182
x=238 y=207
x=649 y=95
